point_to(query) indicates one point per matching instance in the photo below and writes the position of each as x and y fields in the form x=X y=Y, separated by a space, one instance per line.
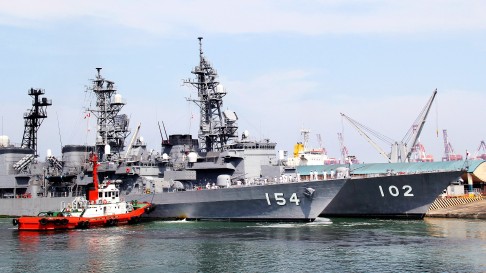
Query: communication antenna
x=112 y=126
x=216 y=127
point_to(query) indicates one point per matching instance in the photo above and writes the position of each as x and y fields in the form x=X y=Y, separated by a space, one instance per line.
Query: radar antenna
x=216 y=128
x=112 y=127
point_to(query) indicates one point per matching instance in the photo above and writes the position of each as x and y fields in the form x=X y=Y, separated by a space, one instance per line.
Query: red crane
x=449 y=154
x=482 y=147
x=418 y=151
x=344 y=152
x=422 y=156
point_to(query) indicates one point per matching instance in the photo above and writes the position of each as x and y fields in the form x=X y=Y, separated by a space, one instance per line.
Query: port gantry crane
x=347 y=159
x=482 y=147
x=449 y=154
x=400 y=151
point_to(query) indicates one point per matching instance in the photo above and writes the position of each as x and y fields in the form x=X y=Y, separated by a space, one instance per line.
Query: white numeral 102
x=280 y=199
x=395 y=191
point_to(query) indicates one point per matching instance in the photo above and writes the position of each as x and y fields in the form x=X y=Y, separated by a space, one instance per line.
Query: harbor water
x=327 y=245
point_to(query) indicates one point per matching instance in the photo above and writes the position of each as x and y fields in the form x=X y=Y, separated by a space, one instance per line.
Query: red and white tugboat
x=102 y=208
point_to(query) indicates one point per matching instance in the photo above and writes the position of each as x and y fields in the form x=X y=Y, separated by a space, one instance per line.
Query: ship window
x=116 y=194
x=100 y=194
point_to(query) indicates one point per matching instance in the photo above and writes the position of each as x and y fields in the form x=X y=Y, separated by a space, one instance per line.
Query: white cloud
x=252 y=16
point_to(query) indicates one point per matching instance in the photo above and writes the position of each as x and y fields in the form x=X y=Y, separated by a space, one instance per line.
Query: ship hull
x=399 y=196
x=46 y=223
x=31 y=206
x=274 y=202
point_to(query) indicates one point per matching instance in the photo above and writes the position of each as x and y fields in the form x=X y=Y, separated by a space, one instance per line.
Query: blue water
x=336 y=245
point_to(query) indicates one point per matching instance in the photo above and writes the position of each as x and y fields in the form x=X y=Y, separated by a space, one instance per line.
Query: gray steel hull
x=400 y=196
x=245 y=203
x=31 y=206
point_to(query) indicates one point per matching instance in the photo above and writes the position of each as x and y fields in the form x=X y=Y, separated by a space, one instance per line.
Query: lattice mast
x=215 y=128
x=34 y=118
x=112 y=127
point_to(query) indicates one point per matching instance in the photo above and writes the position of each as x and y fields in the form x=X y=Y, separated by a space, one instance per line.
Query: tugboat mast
x=34 y=119
x=112 y=127
x=216 y=128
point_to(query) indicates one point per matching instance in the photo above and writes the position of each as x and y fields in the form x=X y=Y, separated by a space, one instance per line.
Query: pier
x=475 y=209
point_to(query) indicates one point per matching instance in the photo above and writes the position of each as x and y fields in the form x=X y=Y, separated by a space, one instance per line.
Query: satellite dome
x=192 y=157
x=220 y=89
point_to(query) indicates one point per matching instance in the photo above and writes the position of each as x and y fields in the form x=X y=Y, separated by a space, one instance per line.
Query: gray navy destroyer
x=221 y=175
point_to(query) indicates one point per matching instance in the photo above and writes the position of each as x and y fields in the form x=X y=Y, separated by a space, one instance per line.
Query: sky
x=286 y=65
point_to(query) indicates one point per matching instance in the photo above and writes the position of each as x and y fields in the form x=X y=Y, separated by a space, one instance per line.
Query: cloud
x=252 y=16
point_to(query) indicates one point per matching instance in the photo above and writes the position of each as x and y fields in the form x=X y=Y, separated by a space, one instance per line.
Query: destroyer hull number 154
x=280 y=199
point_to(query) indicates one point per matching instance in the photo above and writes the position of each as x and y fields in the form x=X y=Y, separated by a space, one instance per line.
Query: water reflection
x=333 y=245
x=456 y=228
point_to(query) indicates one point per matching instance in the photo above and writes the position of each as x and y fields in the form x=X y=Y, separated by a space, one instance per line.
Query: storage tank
x=4 y=141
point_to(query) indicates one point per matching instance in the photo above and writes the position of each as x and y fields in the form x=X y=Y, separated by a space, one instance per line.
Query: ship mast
x=112 y=127
x=216 y=128
x=34 y=118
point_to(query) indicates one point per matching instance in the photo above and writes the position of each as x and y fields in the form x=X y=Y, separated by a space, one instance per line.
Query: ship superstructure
x=20 y=173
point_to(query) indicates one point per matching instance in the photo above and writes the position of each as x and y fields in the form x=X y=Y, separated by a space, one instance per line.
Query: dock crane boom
x=401 y=151
x=414 y=134
x=361 y=130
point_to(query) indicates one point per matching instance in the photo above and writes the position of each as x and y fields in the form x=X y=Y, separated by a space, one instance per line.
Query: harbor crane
x=400 y=151
x=482 y=147
x=449 y=154
x=345 y=153
x=419 y=154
